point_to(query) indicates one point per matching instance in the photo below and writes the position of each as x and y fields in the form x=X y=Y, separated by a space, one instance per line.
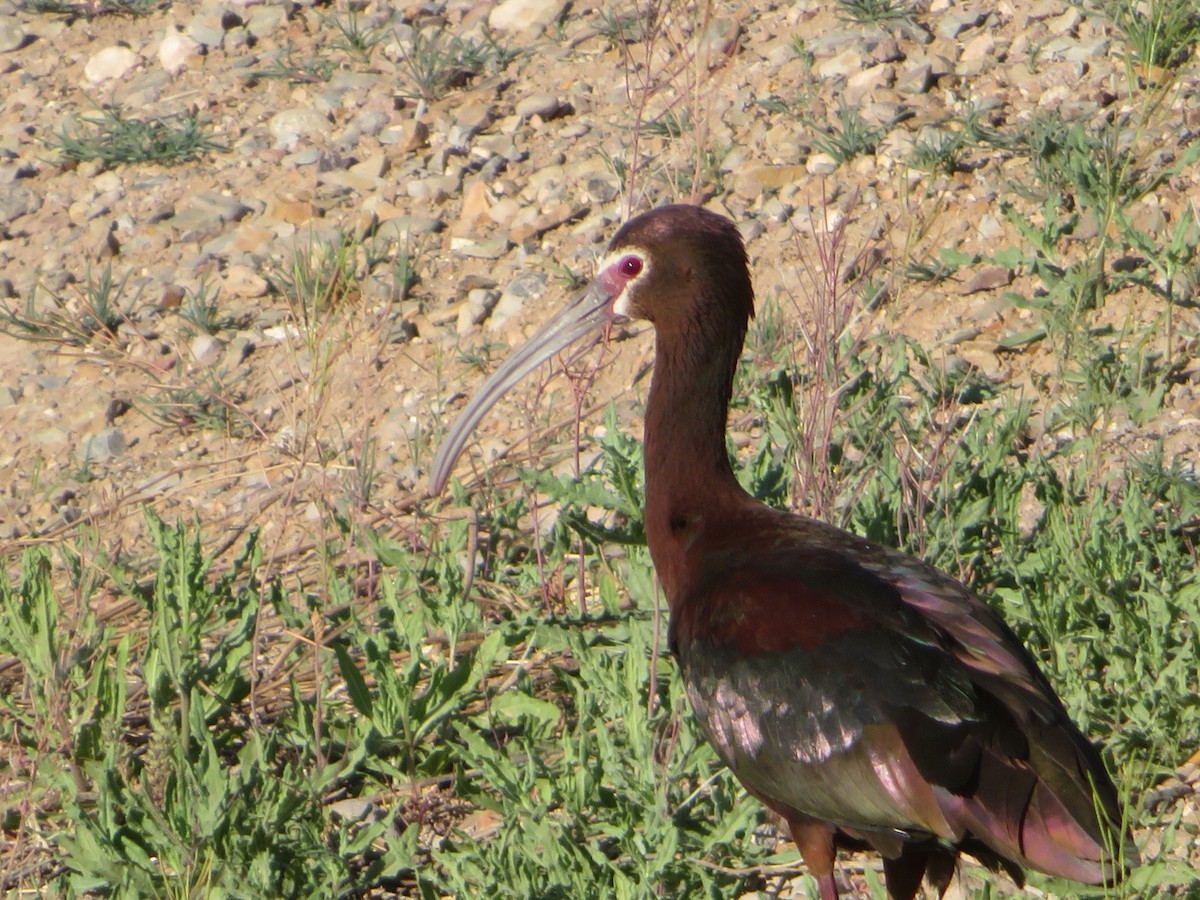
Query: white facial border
x=622 y=303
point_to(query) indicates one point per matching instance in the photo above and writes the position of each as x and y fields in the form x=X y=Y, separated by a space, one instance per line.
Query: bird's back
x=855 y=686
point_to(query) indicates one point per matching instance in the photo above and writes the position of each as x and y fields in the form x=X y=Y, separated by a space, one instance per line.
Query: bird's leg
x=903 y=873
x=940 y=872
x=815 y=843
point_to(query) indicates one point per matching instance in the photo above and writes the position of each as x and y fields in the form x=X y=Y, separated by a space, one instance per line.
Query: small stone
x=292 y=125
x=102 y=237
x=476 y=203
x=841 y=65
x=546 y=106
x=821 y=164
x=754 y=180
x=954 y=22
x=110 y=64
x=172 y=297
x=988 y=280
x=917 y=80
x=409 y=137
x=16 y=200
x=178 y=51
x=207 y=29
x=529 y=17
x=886 y=50
x=869 y=80
x=294 y=212
x=493 y=248
x=982 y=46
x=50 y=437
x=989 y=227
x=475 y=309
x=206 y=350
x=12 y=34
x=1066 y=23
x=514 y=297
x=720 y=38
x=242 y=281
x=267 y=19
x=104 y=445
x=375 y=166
x=239 y=350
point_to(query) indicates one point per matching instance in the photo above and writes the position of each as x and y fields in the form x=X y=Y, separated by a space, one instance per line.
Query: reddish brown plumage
x=865 y=697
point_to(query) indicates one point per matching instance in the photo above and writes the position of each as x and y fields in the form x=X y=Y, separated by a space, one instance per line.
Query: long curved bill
x=589 y=311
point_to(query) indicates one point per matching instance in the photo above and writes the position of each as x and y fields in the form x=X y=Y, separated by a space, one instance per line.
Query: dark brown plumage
x=865 y=697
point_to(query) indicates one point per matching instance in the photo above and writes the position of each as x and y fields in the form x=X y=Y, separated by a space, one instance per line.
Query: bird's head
x=678 y=264
x=674 y=266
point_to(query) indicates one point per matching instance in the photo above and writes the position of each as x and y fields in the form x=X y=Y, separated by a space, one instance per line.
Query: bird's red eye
x=631 y=267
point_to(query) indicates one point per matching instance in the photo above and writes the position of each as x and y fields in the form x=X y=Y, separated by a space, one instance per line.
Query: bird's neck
x=689 y=479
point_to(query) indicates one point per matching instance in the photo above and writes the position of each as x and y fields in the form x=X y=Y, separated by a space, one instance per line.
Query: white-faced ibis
x=864 y=696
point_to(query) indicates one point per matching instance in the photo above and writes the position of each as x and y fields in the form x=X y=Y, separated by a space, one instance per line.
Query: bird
x=870 y=700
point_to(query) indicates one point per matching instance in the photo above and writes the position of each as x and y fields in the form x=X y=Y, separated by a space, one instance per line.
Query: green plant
x=354 y=36
x=1161 y=33
x=618 y=28
x=433 y=62
x=202 y=311
x=214 y=403
x=98 y=312
x=848 y=136
x=938 y=151
x=113 y=138
x=801 y=52
x=94 y=8
x=289 y=67
x=871 y=12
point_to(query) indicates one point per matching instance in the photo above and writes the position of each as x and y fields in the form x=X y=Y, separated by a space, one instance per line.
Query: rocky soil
x=394 y=194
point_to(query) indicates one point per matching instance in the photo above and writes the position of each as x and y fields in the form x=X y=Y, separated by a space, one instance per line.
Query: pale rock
x=178 y=51
x=982 y=46
x=843 y=64
x=953 y=23
x=16 y=200
x=267 y=19
x=988 y=279
x=207 y=350
x=291 y=126
x=12 y=34
x=917 y=80
x=821 y=164
x=242 y=281
x=754 y=180
x=529 y=17
x=110 y=64
x=104 y=445
x=474 y=215
x=492 y=248
x=545 y=106
x=504 y=211
x=869 y=80
x=512 y=300
x=478 y=306
x=1066 y=23
x=239 y=350
x=408 y=137
x=374 y=166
